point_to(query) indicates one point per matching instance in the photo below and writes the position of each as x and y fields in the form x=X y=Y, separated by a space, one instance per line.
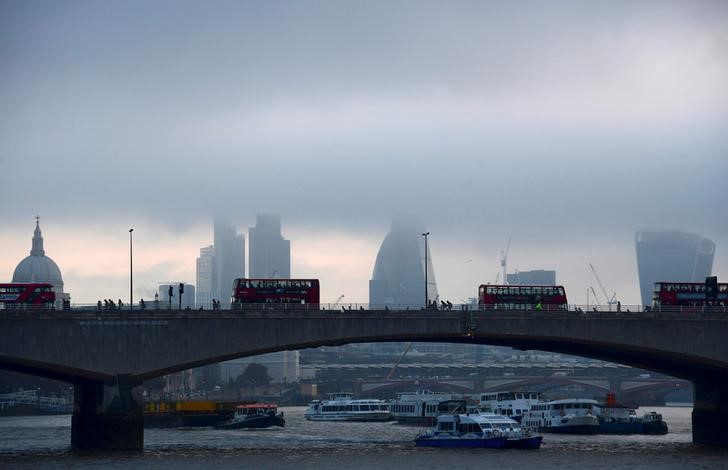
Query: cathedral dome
x=38 y=267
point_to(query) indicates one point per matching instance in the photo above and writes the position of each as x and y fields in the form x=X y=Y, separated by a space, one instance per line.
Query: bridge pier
x=710 y=411
x=106 y=416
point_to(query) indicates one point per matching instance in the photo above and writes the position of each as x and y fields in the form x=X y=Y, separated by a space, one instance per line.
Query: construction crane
x=504 y=259
x=594 y=294
x=394 y=367
x=610 y=300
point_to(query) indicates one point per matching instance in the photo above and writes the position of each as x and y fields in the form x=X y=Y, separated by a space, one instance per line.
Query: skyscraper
x=205 y=275
x=399 y=272
x=229 y=249
x=270 y=253
x=270 y=257
x=664 y=255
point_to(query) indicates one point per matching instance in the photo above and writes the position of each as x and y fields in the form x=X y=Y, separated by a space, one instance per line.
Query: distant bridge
x=107 y=354
x=626 y=388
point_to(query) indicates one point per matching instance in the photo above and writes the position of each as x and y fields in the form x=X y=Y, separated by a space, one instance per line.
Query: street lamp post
x=427 y=303
x=131 y=271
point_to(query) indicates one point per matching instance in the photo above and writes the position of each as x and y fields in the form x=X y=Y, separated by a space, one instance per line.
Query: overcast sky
x=571 y=124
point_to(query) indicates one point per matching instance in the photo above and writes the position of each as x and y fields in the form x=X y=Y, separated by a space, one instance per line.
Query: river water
x=43 y=441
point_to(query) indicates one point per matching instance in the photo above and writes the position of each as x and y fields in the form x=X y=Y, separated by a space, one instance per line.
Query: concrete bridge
x=105 y=355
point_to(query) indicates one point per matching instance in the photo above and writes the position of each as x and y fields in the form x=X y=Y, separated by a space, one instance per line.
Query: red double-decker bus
x=510 y=297
x=25 y=295
x=690 y=294
x=274 y=291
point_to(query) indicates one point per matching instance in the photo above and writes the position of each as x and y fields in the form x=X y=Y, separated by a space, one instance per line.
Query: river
x=43 y=441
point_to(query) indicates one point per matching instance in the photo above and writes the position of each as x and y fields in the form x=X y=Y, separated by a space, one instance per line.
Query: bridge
x=106 y=354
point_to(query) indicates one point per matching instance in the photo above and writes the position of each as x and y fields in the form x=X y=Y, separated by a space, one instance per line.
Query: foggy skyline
x=570 y=124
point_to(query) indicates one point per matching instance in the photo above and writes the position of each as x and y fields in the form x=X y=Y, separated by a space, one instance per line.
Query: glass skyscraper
x=270 y=253
x=399 y=273
x=664 y=255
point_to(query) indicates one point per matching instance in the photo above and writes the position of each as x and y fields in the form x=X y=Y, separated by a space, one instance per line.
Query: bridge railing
x=334 y=308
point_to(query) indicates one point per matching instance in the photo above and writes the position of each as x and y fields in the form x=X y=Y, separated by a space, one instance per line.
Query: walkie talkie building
x=668 y=255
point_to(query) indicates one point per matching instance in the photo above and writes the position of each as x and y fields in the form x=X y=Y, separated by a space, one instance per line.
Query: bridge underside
x=110 y=354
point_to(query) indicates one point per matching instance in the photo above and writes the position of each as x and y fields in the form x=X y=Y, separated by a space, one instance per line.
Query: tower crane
x=594 y=295
x=504 y=259
x=394 y=367
x=610 y=300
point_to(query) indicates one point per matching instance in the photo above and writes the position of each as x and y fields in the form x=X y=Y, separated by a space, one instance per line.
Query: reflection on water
x=44 y=440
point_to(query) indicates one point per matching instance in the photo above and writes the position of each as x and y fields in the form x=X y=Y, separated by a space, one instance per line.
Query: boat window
x=364 y=408
x=446 y=426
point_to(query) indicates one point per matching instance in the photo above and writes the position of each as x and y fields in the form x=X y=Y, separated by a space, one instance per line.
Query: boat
x=570 y=416
x=187 y=413
x=256 y=415
x=615 y=418
x=510 y=404
x=343 y=407
x=479 y=430
x=423 y=406
x=652 y=423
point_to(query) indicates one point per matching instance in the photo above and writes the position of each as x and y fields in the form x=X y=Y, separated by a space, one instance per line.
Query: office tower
x=205 y=276
x=270 y=253
x=536 y=277
x=229 y=252
x=664 y=255
x=270 y=257
x=399 y=273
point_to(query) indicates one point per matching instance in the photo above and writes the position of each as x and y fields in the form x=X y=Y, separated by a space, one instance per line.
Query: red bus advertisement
x=26 y=295
x=690 y=294
x=510 y=297
x=276 y=291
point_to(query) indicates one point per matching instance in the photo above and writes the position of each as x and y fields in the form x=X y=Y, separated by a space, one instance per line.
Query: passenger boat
x=257 y=415
x=343 y=407
x=571 y=416
x=510 y=404
x=475 y=429
x=422 y=407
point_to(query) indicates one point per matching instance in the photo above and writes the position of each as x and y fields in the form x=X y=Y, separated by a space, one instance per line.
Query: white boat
x=510 y=404
x=475 y=429
x=343 y=407
x=422 y=407
x=571 y=416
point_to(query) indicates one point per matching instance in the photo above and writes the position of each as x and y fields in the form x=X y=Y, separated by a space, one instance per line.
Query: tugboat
x=475 y=429
x=652 y=423
x=256 y=415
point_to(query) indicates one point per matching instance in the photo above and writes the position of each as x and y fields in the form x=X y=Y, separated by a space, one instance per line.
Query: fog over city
x=568 y=124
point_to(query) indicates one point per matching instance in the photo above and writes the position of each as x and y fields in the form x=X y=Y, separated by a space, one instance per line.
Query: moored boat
x=510 y=404
x=256 y=415
x=615 y=418
x=422 y=407
x=571 y=416
x=343 y=407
